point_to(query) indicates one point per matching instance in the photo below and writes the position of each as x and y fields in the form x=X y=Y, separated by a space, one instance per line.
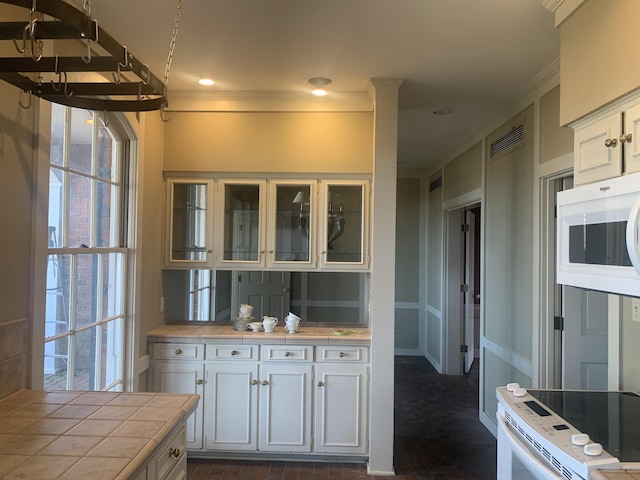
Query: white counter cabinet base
x=260 y=400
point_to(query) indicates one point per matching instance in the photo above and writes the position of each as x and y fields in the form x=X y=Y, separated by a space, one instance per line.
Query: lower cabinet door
x=340 y=399
x=183 y=377
x=231 y=410
x=285 y=407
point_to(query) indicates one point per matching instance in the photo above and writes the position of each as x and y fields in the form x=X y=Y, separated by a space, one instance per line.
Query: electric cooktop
x=610 y=418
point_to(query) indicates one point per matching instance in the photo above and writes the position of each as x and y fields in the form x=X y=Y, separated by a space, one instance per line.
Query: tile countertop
x=74 y=435
x=228 y=334
x=615 y=475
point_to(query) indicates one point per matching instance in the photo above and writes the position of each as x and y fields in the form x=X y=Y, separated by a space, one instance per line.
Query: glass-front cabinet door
x=344 y=217
x=291 y=224
x=189 y=241
x=241 y=236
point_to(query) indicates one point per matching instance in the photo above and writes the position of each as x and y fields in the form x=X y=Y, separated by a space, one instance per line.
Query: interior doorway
x=463 y=296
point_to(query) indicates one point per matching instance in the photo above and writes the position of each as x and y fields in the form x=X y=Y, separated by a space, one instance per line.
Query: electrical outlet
x=635 y=309
x=162 y=305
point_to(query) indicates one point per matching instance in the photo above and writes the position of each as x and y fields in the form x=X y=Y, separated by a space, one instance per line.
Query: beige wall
x=17 y=129
x=270 y=142
x=598 y=56
x=464 y=173
x=555 y=140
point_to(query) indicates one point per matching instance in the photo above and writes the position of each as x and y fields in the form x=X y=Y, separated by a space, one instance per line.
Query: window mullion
x=73 y=290
x=71 y=360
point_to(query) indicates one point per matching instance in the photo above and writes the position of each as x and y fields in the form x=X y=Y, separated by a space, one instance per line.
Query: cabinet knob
x=174 y=452
x=610 y=142
x=209 y=250
x=254 y=382
x=321 y=384
x=625 y=138
x=234 y=352
x=199 y=381
x=287 y=354
x=270 y=251
x=178 y=352
x=265 y=382
x=342 y=354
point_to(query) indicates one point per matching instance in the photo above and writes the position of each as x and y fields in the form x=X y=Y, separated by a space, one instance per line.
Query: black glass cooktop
x=610 y=418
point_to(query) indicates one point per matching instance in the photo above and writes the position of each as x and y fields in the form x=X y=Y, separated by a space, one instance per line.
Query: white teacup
x=291 y=328
x=268 y=323
x=255 y=326
x=292 y=317
x=245 y=310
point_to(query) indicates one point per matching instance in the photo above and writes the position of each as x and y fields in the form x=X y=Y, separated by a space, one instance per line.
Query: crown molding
x=562 y=8
x=268 y=101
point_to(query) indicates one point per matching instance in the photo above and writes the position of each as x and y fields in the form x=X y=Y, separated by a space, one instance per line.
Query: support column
x=382 y=288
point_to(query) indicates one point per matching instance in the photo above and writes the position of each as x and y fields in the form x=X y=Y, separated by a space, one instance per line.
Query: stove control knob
x=580 y=439
x=520 y=392
x=593 y=449
x=512 y=386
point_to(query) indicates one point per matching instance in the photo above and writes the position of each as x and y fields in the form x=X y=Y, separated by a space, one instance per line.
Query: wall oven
x=597 y=236
x=565 y=434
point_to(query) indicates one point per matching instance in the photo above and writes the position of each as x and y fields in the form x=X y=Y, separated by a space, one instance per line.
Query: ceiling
x=473 y=56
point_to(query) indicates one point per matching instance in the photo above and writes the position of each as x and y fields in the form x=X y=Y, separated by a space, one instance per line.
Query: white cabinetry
x=169 y=462
x=189 y=223
x=271 y=398
x=606 y=144
x=177 y=370
x=340 y=400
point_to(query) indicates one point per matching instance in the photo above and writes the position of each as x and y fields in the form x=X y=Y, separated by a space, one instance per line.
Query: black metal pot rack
x=146 y=94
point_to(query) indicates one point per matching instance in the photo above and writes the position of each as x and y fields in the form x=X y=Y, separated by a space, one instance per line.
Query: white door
x=285 y=408
x=469 y=281
x=340 y=404
x=183 y=377
x=586 y=324
x=231 y=409
x=268 y=291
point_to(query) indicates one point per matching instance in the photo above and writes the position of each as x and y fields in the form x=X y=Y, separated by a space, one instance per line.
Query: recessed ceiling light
x=207 y=82
x=443 y=111
x=318 y=85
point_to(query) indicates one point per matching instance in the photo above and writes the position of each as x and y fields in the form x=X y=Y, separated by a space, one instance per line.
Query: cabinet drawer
x=170 y=453
x=342 y=354
x=231 y=352
x=287 y=353
x=178 y=351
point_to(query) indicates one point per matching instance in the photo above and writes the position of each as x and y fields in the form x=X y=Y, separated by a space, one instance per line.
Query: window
x=87 y=258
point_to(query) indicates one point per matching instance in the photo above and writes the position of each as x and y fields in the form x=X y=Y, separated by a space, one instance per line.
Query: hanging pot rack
x=146 y=94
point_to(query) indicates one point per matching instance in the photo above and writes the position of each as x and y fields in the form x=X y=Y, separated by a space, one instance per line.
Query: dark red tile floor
x=437 y=436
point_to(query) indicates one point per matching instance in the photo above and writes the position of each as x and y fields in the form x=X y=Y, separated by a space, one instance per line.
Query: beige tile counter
x=75 y=435
x=615 y=475
x=206 y=332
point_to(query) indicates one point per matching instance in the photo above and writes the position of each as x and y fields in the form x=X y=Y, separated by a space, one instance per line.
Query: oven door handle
x=534 y=466
x=632 y=235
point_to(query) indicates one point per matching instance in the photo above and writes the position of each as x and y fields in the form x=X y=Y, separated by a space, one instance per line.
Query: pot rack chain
x=71 y=23
x=172 y=47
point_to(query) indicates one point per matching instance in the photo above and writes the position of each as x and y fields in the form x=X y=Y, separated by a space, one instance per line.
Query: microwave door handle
x=534 y=466
x=633 y=247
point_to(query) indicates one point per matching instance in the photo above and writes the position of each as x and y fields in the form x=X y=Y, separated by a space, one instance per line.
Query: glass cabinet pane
x=344 y=223
x=241 y=222
x=189 y=222
x=292 y=223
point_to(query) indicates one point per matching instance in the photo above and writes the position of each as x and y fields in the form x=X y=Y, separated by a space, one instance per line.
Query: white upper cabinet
x=291 y=224
x=240 y=232
x=189 y=221
x=277 y=224
x=344 y=223
x=605 y=144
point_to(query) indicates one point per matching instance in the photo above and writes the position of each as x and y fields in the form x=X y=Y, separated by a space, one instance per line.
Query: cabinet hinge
x=558 y=323
x=464 y=288
x=464 y=348
x=464 y=227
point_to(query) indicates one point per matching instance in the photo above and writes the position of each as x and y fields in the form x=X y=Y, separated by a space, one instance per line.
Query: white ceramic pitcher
x=269 y=323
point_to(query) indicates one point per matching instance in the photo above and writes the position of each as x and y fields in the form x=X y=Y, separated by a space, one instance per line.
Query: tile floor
x=437 y=436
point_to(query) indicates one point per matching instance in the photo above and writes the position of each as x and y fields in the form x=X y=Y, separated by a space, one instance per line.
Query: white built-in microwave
x=597 y=236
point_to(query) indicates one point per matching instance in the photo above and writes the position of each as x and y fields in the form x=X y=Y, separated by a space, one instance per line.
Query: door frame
x=549 y=371
x=453 y=312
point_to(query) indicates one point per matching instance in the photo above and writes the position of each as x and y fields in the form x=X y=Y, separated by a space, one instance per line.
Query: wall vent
x=512 y=140
x=437 y=183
